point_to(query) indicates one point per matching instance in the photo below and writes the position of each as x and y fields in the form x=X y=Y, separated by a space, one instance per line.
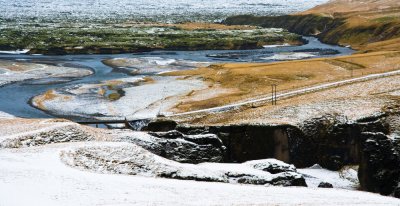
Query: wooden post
x=273 y=94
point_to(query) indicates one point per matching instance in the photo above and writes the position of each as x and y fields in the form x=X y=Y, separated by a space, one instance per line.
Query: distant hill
x=341 y=6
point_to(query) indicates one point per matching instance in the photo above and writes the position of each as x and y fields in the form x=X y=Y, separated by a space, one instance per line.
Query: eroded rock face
x=176 y=146
x=248 y=142
x=380 y=164
x=131 y=159
x=331 y=140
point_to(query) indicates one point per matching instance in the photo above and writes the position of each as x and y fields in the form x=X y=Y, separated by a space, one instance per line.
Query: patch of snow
x=344 y=179
x=4 y=115
x=277 y=45
x=289 y=56
x=23 y=51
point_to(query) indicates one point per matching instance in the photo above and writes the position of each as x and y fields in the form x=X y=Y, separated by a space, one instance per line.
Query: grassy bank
x=124 y=38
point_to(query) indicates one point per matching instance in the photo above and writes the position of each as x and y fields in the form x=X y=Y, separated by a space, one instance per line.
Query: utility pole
x=273 y=93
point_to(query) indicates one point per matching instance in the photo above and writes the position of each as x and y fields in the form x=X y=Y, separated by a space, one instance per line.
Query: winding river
x=15 y=97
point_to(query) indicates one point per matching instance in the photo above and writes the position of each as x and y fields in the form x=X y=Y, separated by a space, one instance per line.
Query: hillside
x=341 y=6
x=361 y=24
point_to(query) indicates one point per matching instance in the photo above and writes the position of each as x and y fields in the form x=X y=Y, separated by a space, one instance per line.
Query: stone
x=173 y=134
x=325 y=185
x=272 y=166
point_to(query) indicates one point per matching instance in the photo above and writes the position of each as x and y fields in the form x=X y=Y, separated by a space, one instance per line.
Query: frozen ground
x=162 y=10
x=37 y=176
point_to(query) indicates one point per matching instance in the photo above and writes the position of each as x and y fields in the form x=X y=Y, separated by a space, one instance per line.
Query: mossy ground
x=124 y=38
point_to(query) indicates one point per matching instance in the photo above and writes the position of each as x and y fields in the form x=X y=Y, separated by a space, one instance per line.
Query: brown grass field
x=250 y=80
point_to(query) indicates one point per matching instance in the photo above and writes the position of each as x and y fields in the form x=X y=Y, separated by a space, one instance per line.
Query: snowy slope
x=36 y=176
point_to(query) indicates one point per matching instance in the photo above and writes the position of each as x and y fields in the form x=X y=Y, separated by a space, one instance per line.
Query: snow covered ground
x=163 y=10
x=344 y=179
x=36 y=176
x=289 y=56
x=13 y=71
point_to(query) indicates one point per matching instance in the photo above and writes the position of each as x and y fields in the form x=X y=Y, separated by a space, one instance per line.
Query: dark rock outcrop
x=330 y=140
x=248 y=142
x=160 y=126
x=380 y=164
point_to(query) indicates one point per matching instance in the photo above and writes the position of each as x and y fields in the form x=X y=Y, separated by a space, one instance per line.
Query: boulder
x=325 y=185
x=272 y=166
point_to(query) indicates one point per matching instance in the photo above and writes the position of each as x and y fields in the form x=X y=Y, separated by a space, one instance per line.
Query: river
x=15 y=97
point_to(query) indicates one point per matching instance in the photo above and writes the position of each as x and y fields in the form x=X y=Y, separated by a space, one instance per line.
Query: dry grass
x=372 y=25
x=355 y=101
x=251 y=80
